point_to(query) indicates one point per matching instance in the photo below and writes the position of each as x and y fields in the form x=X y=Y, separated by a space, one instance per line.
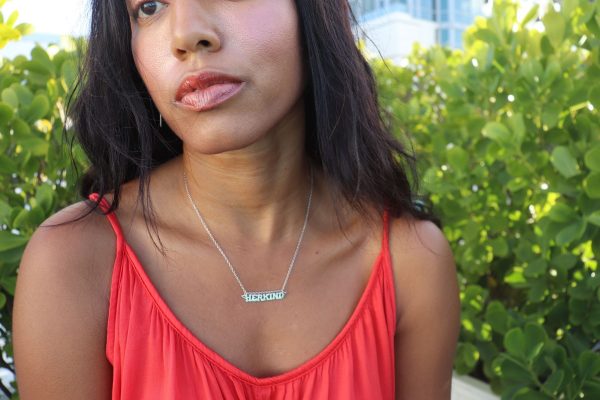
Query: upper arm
x=428 y=311
x=59 y=314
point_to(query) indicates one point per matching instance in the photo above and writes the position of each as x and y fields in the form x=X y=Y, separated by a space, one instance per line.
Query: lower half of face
x=258 y=42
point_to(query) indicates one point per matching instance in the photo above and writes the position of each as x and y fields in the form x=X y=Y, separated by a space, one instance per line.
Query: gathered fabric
x=154 y=356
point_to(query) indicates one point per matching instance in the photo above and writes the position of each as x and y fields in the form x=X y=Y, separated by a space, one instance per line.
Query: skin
x=250 y=183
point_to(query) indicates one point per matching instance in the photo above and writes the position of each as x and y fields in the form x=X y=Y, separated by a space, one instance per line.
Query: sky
x=56 y=17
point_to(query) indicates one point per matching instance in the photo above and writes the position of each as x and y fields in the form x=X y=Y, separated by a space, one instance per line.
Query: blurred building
x=394 y=25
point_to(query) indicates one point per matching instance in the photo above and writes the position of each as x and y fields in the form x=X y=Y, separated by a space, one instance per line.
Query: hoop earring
x=160 y=120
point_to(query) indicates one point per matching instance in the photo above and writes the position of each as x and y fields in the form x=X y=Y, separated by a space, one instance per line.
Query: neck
x=256 y=196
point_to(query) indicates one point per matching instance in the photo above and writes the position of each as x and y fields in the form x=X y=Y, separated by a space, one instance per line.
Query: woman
x=261 y=238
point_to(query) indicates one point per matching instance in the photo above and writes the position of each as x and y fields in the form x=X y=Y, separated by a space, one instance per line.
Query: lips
x=206 y=90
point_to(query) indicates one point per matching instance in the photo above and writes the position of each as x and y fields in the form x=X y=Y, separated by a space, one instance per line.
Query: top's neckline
x=219 y=360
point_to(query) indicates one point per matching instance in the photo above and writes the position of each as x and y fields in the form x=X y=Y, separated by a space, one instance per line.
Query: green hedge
x=508 y=133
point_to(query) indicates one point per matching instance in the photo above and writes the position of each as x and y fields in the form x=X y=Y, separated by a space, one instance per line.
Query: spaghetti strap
x=386 y=228
x=116 y=276
x=389 y=281
x=112 y=218
x=385 y=239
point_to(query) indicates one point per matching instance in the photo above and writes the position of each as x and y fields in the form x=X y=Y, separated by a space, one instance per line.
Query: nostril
x=204 y=43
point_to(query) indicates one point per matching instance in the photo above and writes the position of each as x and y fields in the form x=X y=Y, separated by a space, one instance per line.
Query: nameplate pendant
x=254 y=297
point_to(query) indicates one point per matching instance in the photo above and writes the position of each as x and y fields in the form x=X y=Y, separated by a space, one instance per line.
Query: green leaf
x=44 y=196
x=551 y=114
x=525 y=167
x=497 y=132
x=9 y=241
x=571 y=233
x=7 y=165
x=9 y=96
x=38 y=147
x=29 y=218
x=535 y=338
x=591 y=389
x=517 y=125
x=514 y=341
x=588 y=363
x=536 y=268
x=9 y=283
x=12 y=18
x=533 y=12
x=500 y=247
x=537 y=289
x=561 y=212
x=516 y=278
x=546 y=46
x=38 y=108
x=468 y=353
x=593 y=218
x=12 y=256
x=529 y=394
x=514 y=371
x=5 y=211
x=496 y=316
x=23 y=93
x=564 y=261
x=514 y=185
x=594 y=95
x=554 y=24
x=69 y=73
x=474 y=298
x=553 y=71
x=552 y=384
x=37 y=71
x=564 y=162
x=591 y=185
x=487 y=35
x=6 y=113
x=25 y=29
x=40 y=56
x=568 y=6
x=592 y=158
x=21 y=128
x=458 y=159
x=532 y=70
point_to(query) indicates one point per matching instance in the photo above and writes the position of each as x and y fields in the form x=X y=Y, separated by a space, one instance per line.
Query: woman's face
x=256 y=41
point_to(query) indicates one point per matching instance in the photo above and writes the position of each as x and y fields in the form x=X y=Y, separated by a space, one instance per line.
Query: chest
x=264 y=338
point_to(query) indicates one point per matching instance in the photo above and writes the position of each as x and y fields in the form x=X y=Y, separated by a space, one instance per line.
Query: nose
x=192 y=29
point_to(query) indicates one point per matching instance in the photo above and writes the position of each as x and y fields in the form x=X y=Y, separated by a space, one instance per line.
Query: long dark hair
x=348 y=137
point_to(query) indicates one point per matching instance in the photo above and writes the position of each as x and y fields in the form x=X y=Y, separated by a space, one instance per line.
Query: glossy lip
x=209 y=97
x=202 y=80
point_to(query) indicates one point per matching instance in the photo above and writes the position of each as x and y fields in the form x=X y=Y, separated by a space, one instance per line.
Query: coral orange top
x=154 y=356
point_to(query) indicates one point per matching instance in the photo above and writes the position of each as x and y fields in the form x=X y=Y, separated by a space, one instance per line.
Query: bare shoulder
x=422 y=260
x=410 y=234
x=428 y=305
x=61 y=307
x=79 y=243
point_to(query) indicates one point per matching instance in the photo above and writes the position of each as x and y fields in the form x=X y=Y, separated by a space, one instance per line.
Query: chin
x=220 y=143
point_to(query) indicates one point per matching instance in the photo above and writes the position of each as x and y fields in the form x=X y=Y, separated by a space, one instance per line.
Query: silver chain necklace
x=250 y=297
